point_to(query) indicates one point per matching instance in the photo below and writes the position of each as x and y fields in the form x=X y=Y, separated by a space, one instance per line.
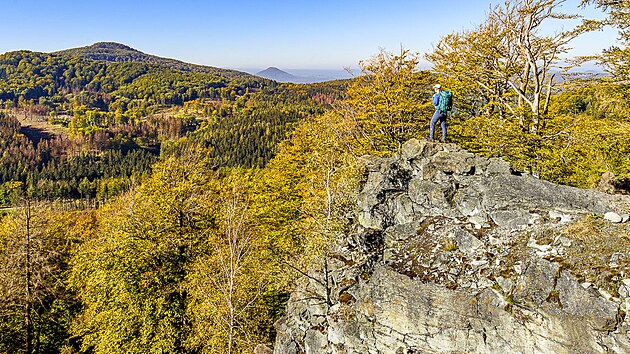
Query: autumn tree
x=619 y=14
x=228 y=281
x=130 y=275
x=616 y=59
x=35 y=306
x=303 y=199
x=509 y=58
x=312 y=182
x=308 y=185
x=479 y=64
x=387 y=101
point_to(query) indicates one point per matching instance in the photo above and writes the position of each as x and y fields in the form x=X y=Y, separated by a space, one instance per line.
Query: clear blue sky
x=315 y=34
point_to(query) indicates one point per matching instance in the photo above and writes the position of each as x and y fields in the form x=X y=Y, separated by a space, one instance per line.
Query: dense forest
x=117 y=118
x=217 y=190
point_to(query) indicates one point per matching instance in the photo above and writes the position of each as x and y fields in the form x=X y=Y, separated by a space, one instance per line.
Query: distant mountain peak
x=107 y=51
x=279 y=75
x=276 y=74
x=273 y=68
x=99 y=48
x=111 y=45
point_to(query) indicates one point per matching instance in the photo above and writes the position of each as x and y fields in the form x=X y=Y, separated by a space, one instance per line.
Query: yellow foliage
x=307 y=188
x=387 y=103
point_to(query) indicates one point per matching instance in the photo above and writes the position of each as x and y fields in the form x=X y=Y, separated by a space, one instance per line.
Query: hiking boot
x=444 y=140
x=430 y=139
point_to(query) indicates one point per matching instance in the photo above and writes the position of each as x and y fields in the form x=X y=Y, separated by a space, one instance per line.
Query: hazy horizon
x=321 y=35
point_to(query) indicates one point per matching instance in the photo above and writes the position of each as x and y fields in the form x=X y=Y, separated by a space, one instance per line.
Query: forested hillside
x=118 y=116
x=215 y=192
x=116 y=52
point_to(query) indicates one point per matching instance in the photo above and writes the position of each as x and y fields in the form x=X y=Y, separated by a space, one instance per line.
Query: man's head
x=437 y=87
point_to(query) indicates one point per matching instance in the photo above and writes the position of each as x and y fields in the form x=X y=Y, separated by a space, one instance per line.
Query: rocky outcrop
x=453 y=253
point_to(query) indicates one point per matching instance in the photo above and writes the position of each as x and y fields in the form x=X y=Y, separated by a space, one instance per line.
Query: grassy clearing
x=37 y=124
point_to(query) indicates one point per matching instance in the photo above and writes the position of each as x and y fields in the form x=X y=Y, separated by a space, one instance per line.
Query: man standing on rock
x=442 y=100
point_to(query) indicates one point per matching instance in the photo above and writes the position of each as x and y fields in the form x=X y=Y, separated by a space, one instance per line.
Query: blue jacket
x=436 y=100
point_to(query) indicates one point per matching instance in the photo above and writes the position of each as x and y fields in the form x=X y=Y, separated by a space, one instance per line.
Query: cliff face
x=455 y=253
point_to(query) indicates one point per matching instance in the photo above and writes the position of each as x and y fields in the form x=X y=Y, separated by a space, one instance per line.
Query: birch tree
x=228 y=282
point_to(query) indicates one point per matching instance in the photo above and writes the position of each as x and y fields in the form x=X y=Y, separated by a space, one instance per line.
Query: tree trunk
x=28 y=308
x=535 y=113
x=548 y=96
x=524 y=82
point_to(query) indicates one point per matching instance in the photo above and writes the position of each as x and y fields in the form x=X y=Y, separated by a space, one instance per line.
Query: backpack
x=446 y=101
